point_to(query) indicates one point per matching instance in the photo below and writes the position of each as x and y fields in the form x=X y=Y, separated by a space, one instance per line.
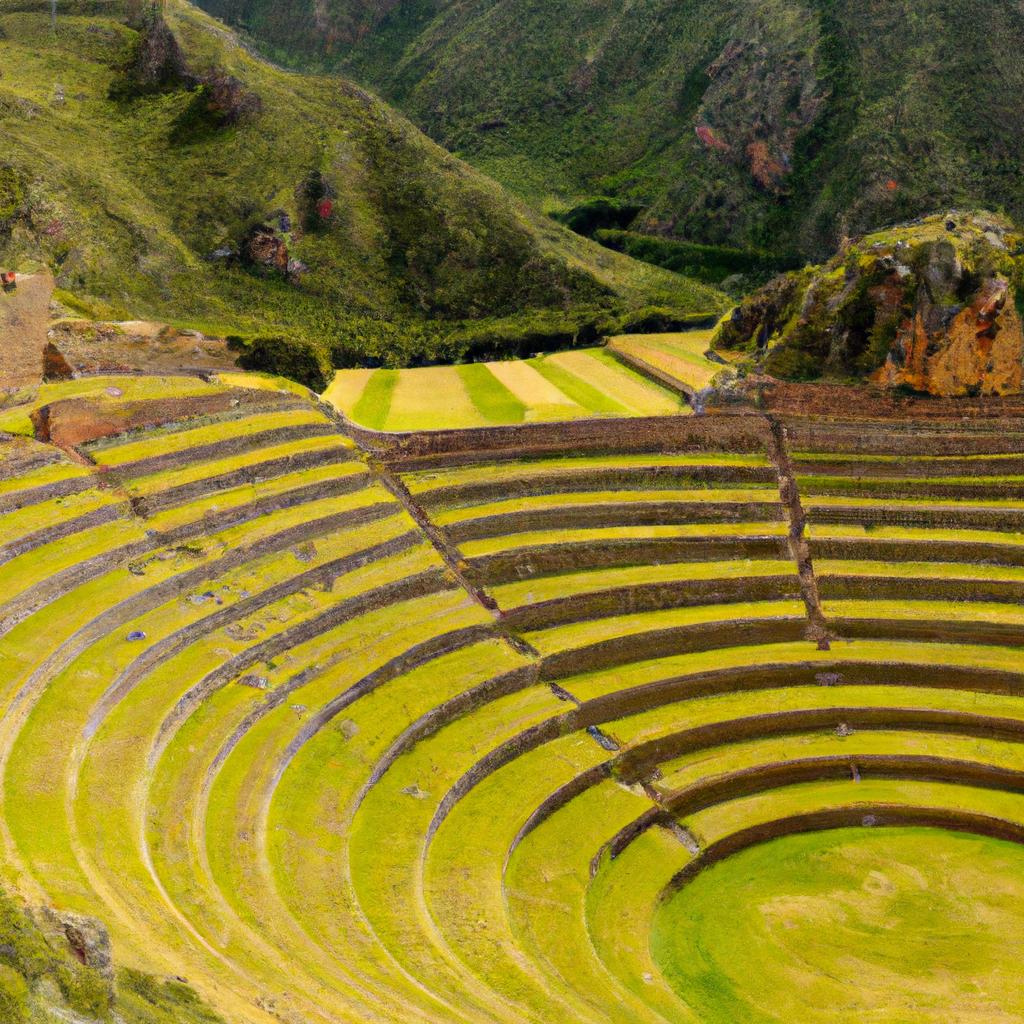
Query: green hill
x=164 y=171
x=784 y=124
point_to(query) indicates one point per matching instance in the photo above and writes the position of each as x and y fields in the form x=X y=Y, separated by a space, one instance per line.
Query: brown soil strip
x=742 y=433
x=606 y=478
x=35 y=495
x=905 y=588
x=637 y=763
x=577 y=555
x=24 y=320
x=918 y=767
x=789 y=492
x=917 y=550
x=647 y=598
x=78 y=421
x=626 y=513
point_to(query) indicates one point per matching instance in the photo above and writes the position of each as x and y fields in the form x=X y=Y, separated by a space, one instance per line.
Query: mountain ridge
x=786 y=125
x=169 y=174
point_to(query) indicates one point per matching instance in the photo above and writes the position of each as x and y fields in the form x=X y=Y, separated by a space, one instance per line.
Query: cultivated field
x=564 y=386
x=549 y=723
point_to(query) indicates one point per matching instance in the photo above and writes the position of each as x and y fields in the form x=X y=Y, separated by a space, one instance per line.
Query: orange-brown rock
x=979 y=352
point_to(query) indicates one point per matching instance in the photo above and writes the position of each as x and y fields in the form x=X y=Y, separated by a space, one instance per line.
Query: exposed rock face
x=762 y=95
x=263 y=247
x=929 y=308
x=88 y=939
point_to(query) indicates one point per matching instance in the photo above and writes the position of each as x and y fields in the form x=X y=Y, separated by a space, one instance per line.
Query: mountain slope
x=785 y=124
x=166 y=172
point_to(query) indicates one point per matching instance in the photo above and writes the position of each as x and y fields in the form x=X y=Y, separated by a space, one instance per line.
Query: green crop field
x=564 y=386
x=604 y=727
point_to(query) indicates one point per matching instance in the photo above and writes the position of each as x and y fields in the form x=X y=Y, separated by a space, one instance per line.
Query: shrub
x=298 y=359
x=711 y=264
x=12 y=194
x=599 y=213
x=661 y=319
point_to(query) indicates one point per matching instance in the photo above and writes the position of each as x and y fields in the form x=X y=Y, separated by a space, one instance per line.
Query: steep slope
x=787 y=123
x=164 y=171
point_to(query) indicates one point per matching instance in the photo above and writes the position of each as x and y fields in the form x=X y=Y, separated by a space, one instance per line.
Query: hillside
x=164 y=172
x=784 y=124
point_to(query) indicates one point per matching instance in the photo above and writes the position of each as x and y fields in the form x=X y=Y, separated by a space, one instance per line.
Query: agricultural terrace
x=498 y=724
x=635 y=375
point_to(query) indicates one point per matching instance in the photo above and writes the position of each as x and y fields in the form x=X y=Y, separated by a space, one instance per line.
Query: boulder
x=88 y=940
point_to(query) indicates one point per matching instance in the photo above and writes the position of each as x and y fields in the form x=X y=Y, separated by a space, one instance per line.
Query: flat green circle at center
x=893 y=925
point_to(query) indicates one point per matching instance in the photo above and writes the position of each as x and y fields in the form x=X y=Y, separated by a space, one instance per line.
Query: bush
x=598 y=213
x=288 y=357
x=710 y=264
x=12 y=194
x=661 y=320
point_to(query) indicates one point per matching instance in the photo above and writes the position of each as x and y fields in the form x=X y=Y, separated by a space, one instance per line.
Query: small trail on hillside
x=24 y=320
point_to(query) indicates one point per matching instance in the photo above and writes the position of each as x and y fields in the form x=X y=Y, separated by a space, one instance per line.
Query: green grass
x=493 y=400
x=576 y=384
x=579 y=390
x=387 y=839
x=621 y=899
x=614 y=135
x=463 y=871
x=374 y=405
x=559 y=941
x=894 y=924
x=250 y=833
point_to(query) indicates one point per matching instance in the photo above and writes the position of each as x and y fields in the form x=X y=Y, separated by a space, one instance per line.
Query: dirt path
x=24 y=318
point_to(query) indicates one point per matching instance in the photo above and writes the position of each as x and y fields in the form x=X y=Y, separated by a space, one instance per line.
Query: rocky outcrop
x=763 y=93
x=264 y=247
x=159 y=64
x=86 y=937
x=929 y=308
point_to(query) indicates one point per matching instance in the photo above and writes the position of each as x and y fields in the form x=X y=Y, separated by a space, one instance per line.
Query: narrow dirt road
x=24 y=318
